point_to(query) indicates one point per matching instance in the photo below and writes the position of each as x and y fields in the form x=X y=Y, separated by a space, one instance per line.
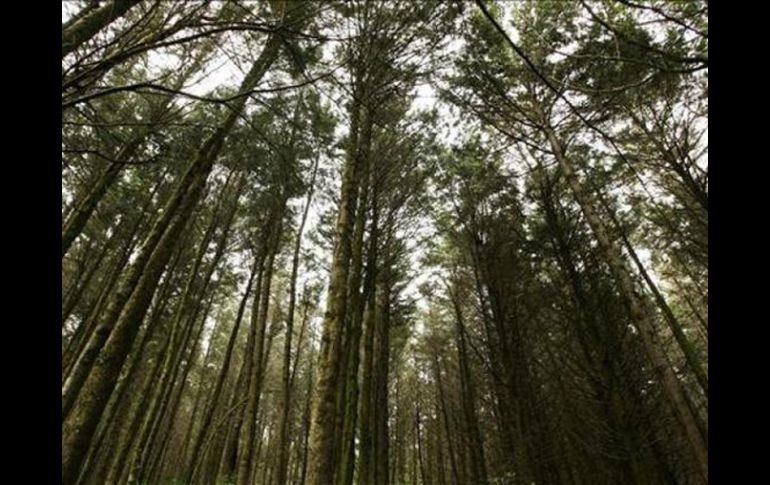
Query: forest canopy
x=336 y=242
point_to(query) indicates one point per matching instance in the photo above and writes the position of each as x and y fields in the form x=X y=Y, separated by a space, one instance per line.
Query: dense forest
x=336 y=242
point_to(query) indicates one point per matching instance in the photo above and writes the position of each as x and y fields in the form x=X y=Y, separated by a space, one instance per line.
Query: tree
x=385 y=242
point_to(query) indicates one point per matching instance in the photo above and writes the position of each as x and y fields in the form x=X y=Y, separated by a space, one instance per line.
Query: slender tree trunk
x=425 y=478
x=306 y=417
x=691 y=356
x=256 y=374
x=445 y=418
x=81 y=213
x=475 y=444
x=283 y=426
x=198 y=294
x=229 y=462
x=196 y=458
x=155 y=453
x=381 y=370
x=74 y=297
x=200 y=398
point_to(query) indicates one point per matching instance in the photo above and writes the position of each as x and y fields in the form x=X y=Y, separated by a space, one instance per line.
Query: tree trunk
x=324 y=416
x=196 y=458
x=286 y=401
x=381 y=370
x=122 y=321
x=478 y=472
x=75 y=34
x=644 y=324
x=256 y=374
x=348 y=408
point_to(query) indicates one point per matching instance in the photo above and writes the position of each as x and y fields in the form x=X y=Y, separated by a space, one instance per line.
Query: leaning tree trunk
x=687 y=348
x=81 y=213
x=85 y=207
x=198 y=295
x=75 y=34
x=123 y=319
x=671 y=386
